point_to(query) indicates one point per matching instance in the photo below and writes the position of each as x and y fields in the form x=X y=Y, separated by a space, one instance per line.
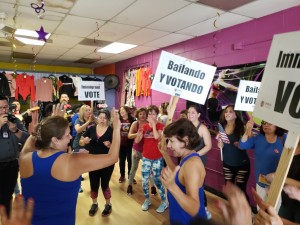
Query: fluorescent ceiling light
x=116 y=48
x=29 y=41
x=29 y=33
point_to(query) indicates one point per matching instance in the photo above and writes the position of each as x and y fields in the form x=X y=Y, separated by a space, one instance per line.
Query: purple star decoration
x=42 y=34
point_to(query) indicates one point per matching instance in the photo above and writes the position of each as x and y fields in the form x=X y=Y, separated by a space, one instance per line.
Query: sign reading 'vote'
x=182 y=77
x=91 y=91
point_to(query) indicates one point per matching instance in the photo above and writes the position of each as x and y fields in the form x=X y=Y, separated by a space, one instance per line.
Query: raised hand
x=21 y=214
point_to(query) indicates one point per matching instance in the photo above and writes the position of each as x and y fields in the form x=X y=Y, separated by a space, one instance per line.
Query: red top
x=150 y=148
x=25 y=86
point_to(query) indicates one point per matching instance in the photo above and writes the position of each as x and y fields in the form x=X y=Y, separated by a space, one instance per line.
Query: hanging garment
x=4 y=86
x=44 y=90
x=76 y=80
x=67 y=86
x=145 y=81
x=11 y=84
x=138 y=82
x=25 y=86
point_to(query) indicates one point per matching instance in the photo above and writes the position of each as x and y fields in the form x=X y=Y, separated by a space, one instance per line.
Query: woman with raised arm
x=268 y=146
x=51 y=176
x=236 y=163
x=185 y=188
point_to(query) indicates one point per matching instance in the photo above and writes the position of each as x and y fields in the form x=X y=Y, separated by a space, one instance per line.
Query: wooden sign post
x=278 y=101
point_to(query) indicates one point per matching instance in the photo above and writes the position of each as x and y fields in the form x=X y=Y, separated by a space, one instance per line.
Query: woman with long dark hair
x=236 y=164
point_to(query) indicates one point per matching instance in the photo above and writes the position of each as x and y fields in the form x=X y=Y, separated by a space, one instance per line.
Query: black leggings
x=101 y=176
x=125 y=153
x=238 y=175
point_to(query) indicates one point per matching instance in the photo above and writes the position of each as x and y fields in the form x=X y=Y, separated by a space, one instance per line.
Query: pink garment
x=11 y=83
x=44 y=90
x=25 y=86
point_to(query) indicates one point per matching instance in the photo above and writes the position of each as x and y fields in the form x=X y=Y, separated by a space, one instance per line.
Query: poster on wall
x=279 y=98
x=91 y=91
x=178 y=76
x=247 y=95
x=223 y=91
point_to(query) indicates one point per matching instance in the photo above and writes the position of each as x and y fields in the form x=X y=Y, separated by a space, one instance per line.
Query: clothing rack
x=137 y=66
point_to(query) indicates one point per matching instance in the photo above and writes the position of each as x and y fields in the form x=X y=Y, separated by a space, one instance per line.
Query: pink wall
x=255 y=37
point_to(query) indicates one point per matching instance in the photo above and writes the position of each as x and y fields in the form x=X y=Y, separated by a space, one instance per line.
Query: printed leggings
x=154 y=166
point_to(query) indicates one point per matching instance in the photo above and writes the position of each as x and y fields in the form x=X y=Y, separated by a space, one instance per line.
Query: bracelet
x=17 y=130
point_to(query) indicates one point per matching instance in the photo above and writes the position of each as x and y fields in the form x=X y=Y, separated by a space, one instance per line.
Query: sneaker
x=107 y=210
x=208 y=214
x=134 y=181
x=122 y=179
x=146 y=204
x=129 y=190
x=162 y=207
x=80 y=190
x=93 y=210
x=153 y=190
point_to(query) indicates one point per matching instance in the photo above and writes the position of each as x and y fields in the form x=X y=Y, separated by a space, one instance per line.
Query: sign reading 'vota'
x=182 y=77
x=278 y=100
x=91 y=91
x=246 y=96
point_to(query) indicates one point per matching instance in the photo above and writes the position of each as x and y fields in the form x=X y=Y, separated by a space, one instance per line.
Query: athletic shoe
x=93 y=210
x=129 y=190
x=107 y=210
x=146 y=204
x=162 y=207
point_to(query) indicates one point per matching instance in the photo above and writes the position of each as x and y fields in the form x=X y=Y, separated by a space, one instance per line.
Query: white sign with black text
x=178 y=76
x=91 y=90
x=278 y=101
x=246 y=96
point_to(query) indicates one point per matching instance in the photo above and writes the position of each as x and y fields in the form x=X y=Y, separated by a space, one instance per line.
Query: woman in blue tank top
x=185 y=183
x=51 y=176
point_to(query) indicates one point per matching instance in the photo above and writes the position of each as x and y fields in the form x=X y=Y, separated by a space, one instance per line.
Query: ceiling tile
x=76 y=52
x=4 y=49
x=142 y=36
x=68 y=58
x=94 y=9
x=200 y=28
x=167 y=40
x=78 y=26
x=27 y=19
x=144 y=12
x=44 y=61
x=113 y=31
x=52 y=5
x=54 y=50
x=64 y=41
x=47 y=56
x=101 y=55
x=261 y=8
x=140 y=50
x=28 y=49
x=230 y=19
x=182 y=20
x=120 y=57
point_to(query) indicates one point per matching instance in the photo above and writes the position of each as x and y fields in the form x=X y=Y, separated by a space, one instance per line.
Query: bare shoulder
x=193 y=163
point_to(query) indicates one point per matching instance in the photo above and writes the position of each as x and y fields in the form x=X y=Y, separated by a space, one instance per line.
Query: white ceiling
x=150 y=24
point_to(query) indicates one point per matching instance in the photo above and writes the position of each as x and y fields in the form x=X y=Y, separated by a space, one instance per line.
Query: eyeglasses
x=265 y=123
x=4 y=107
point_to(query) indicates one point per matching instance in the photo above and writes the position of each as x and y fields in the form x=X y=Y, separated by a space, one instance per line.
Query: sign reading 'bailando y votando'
x=178 y=76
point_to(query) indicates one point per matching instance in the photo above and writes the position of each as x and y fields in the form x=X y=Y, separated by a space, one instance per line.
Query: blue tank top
x=54 y=200
x=177 y=214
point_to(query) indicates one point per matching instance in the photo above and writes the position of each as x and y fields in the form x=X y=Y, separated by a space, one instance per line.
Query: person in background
x=85 y=120
x=99 y=138
x=185 y=189
x=137 y=149
x=126 y=143
x=236 y=163
x=25 y=117
x=163 y=113
x=152 y=161
x=268 y=146
x=75 y=116
x=12 y=133
x=51 y=176
x=205 y=140
x=183 y=113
